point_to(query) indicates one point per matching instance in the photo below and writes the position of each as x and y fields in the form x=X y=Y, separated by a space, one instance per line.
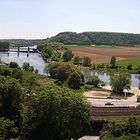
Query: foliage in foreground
x=7 y=128
x=128 y=131
x=10 y=98
x=56 y=113
x=30 y=110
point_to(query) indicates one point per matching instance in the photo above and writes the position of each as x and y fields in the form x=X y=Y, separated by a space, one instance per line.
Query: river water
x=36 y=60
x=106 y=77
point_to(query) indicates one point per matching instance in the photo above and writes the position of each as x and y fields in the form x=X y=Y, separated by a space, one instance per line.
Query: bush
x=74 y=80
x=26 y=66
x=94 y=80
x=86 y=61
x=129 y=67
x=13 y=65
x=7 y=129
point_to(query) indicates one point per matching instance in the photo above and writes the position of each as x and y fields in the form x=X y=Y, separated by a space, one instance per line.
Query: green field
x=134 y=61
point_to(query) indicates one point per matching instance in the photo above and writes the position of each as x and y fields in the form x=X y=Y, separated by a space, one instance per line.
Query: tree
x=4 y=46
x=31 y=68
x=130 y=67
x=113 y=62
x=61 y=71
x=26 y=66
x=13 y=65
x=7 y=129
x=17 y=73
x=30 y=82
x=119 y=81
x=68 y=55
x=94 y=80
x=10 y=98
x=5 y=71
x=56 y=113
x=77 y=60
x=74 y=80
x=86 y=61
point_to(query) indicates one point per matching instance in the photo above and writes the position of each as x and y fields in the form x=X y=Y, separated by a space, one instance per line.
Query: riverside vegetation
x=36 y=107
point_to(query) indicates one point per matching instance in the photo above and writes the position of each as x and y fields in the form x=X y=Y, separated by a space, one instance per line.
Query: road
x=93 y=95
x=116 y=103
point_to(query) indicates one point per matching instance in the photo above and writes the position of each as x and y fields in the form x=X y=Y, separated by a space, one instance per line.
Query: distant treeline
x=4 y=45
x=85 y=38
x=24 y=42
x=97 y=38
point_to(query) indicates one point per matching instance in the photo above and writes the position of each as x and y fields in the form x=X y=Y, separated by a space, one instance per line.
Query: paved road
x=116 y=103
x=89 y=138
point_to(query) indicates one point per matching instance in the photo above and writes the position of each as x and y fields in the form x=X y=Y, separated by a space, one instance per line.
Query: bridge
x=30 y=49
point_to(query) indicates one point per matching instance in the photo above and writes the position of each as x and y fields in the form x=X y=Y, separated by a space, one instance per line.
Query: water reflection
x=135 y=78
x=34 y=59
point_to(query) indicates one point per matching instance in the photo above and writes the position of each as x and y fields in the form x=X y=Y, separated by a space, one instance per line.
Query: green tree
x=30 y=82
x=113 y=62
x=77 y=60
x=10 y=98
x=74 y=80
x=5 y=71
x=17 y=73
x=119 y=81
x=7 y=129
x=31 y=68
x=61 y=71
x=130 y=67
x=94 y=80
x=86 y=61
x=68 y=55
x=56 y=113
x=13 y=65
x=26 y=66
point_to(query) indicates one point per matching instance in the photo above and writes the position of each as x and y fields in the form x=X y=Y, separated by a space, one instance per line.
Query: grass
x=134 y=61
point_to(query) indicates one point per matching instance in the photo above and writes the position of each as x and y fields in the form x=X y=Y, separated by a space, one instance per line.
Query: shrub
x=13 y=65
x=94 y=80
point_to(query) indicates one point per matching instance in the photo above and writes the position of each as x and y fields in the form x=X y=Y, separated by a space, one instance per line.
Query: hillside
x=71 y=38
x=97 y=38
x=24 y=42
x=85 y=38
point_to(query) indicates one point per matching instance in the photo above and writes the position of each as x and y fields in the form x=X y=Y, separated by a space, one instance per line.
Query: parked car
x=108 y=103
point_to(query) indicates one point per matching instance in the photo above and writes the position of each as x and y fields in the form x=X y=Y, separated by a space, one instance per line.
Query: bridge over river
x=30 y=49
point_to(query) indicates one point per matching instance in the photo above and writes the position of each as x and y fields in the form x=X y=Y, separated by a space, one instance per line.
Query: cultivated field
x=103 y=54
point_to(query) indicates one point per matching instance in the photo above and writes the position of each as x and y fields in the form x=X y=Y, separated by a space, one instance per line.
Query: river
x=106 y=77
x=36 y=60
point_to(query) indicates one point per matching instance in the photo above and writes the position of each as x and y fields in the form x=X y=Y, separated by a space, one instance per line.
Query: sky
x=38 y=19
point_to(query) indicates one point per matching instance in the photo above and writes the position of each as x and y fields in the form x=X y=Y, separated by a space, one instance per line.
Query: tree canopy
x=119 y=81
x=97 y=38
x=56 y=113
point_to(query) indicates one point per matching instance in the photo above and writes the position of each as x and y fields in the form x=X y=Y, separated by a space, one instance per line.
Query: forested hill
x=24 y=42
x=97 y=38
x=85 y=38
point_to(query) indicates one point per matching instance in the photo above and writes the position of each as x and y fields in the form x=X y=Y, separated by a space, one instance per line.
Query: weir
x=24 y=49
